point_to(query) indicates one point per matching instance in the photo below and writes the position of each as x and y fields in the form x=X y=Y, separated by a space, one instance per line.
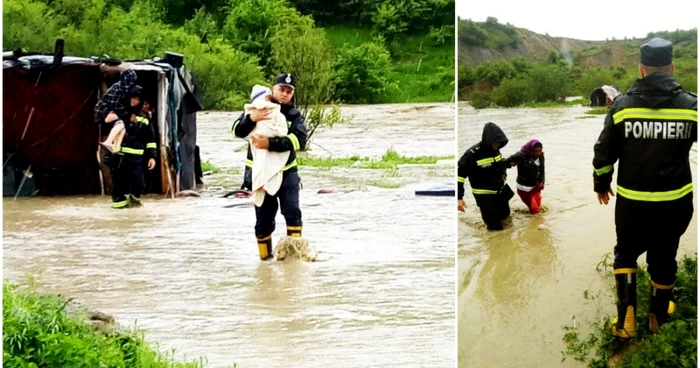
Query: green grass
x=208 y=166
x=674 y=346
x=38 y=333
x=585 y=117
x=597 y=111
x=389 y=160
x=385 y=184
x=424 y=72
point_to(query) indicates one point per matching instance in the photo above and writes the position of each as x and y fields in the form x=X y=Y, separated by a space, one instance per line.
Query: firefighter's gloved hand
x=151 y=164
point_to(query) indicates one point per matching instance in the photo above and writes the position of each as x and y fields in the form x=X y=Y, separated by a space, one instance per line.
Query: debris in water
x=188 y=193
x=324 y=191
x=300 y=247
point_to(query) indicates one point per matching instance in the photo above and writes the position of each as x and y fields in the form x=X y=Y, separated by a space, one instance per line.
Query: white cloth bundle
x=267 y=165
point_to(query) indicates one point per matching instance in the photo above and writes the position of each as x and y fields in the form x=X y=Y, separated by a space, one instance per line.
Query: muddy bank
x=187 y=269
x=519 y=286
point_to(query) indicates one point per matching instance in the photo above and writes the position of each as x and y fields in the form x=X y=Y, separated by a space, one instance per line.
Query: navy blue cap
x=656 y=52
x=286 y=79
x=135 y=90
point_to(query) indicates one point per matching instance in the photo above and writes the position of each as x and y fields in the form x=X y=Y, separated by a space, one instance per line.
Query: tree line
x=232 y=45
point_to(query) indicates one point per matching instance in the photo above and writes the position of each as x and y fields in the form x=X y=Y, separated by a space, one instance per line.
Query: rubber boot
x=134 y=201
x=265 y=248
x=625 y=324
x=294 y=231
x=661 y=305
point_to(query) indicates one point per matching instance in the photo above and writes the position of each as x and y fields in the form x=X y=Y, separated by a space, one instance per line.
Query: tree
x=304 y=51
x=363 y=73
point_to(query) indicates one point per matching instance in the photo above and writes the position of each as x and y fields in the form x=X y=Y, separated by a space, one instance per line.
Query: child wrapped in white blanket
x=267 y=165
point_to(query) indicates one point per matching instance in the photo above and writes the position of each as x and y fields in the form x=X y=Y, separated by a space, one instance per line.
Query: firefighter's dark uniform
x=485 y=169
x=650 y=130
x=288 y=194
x=127 y=169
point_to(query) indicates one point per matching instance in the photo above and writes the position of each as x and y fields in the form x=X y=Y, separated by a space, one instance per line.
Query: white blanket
x=267 y=165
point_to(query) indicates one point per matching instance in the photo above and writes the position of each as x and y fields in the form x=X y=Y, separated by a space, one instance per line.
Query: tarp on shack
x=50 y=138
x=604 y=95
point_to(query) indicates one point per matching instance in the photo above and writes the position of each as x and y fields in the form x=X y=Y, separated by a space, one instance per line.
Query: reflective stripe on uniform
x=460 y=179
x=662 y=287
x=484 y=191
x=291 y=165
x=142 y=120
x=295 y=141
x=655 y=196
x=603 y=170
x=233 y=129
x=132 y=151
x=249 y=163
x=619 y=271
x=651 y=114
x=121 y=204
x=488 y=160
x=151 y=145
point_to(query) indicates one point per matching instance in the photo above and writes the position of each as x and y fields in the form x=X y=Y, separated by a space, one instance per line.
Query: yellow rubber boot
x=661 y=305
x=265 y=247
x=625 y=324
x=294 y=231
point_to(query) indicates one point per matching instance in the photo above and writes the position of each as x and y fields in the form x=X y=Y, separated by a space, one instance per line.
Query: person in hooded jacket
x=485 y=168
x=530 y=181
x=650 y=131
x=113 y=108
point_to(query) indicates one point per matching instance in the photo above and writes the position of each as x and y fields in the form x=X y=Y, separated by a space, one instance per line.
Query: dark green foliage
x=674 y=346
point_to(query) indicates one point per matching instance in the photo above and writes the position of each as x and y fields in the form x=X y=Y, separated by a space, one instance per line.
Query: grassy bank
x=389 y=160
x=423 y=69
x=38 y=333
x=674 y=346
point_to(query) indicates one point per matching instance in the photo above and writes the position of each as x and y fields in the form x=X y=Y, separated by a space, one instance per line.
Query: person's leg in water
x=532 y=200
x=265 y=226
x=289 y=201
x=490 y=214
x=137 y=185
x=120 y=184
x=503 y=208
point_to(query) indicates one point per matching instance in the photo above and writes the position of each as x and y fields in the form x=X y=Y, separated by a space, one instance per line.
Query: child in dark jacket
x=530 y=181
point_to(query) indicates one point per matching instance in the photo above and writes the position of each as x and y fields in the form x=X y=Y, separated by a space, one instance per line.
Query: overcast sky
x=585 y=20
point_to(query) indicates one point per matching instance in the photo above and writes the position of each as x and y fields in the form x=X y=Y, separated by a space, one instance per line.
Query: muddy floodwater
x=187 y=270
x=518 y=287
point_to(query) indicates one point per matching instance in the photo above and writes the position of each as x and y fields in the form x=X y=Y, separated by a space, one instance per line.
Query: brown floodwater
x=187 y=270
x=518 y=287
